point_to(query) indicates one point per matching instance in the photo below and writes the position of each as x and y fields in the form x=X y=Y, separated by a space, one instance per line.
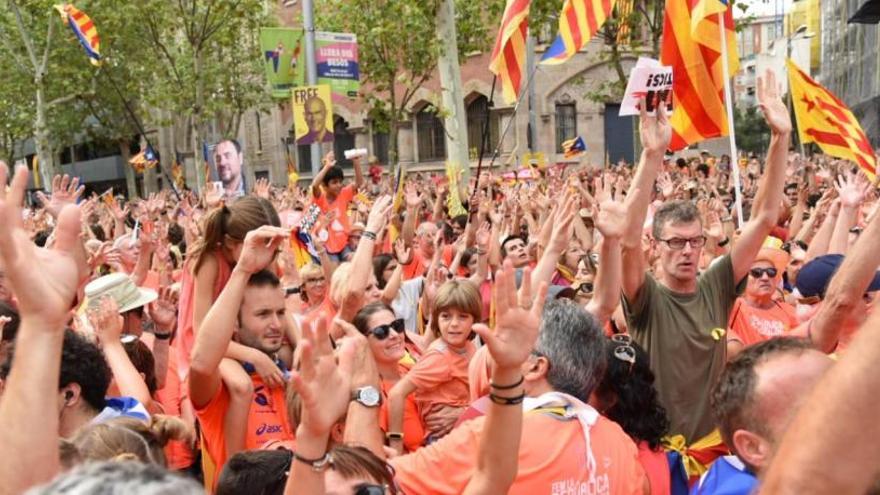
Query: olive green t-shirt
x=686 y=355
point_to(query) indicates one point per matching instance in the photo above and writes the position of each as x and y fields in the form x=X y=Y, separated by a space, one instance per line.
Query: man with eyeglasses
x=678 y=317
x=760 y=314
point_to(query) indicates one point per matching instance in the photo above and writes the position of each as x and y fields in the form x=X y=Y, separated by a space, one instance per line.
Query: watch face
x=369 y=396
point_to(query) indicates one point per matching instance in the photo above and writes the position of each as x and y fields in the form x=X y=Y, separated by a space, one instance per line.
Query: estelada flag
x=509 y=55
x=579 y=21
x=692 y=47
x=84 y=30
x=825 y=120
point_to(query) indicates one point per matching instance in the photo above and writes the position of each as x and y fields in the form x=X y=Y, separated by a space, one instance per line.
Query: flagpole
x=484 y=139
x=519 y=100
x=734 y=162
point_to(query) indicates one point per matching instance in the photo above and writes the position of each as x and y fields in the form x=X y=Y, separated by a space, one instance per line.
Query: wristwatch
x=368 y=396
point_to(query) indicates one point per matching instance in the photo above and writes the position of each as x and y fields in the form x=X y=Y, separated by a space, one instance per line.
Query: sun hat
x=121 y=288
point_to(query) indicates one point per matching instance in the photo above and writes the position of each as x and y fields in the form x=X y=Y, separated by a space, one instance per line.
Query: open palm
x=44 y=281
x=771 y=104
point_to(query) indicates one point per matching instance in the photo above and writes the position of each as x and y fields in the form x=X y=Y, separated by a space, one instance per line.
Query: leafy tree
x=752 y=133
x=206 y=63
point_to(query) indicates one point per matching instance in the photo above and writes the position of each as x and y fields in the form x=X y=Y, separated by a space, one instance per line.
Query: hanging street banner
x=282 y=53
x=336 y=55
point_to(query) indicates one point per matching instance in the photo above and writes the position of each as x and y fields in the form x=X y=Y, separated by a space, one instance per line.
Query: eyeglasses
x=586 y=287
x=624 y=350
x=383 y=331
x=679 y=242
x=759 y=272
x=368 y=489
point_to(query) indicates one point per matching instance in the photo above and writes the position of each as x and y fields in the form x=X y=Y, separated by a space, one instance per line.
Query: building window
x=432 y=139
x=478 y=112
x=342 y=140
x=380 y=147
x=566 y=124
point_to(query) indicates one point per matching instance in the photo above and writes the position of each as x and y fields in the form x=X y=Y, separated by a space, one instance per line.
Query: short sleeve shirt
x=684 y=336
x=751 y=325
x=552 y=460
x=441 y=375
x=338 y=230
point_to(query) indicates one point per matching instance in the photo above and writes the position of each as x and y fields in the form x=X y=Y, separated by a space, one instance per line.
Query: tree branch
x=25 y=37
x=49 y=32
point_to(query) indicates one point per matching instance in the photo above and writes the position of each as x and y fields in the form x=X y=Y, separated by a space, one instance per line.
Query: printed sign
x=336 y=55
x=647 y=79
x=312 y=114
x=281 y=49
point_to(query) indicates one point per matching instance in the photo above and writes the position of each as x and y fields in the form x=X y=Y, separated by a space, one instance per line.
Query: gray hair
x=119 y=478
x=674 y=212
x=572 y=341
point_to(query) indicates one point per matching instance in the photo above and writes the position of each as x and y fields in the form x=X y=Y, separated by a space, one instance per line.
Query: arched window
x=478 y=112
x=432 y=138
x=566 y=123
x=342 y=140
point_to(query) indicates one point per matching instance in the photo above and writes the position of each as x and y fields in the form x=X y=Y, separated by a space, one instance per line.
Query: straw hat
x=120 y=287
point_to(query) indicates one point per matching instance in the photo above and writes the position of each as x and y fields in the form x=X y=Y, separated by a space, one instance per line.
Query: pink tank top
x=186 y=335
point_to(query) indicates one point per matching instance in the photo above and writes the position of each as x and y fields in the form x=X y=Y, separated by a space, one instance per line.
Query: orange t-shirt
x=413 y=427
x=420 y=263
x=478 y=373
x=552 y=460
x=441 y=376
x=267 y=421
x=339 y=229
x=171 y=396
x=751 y=325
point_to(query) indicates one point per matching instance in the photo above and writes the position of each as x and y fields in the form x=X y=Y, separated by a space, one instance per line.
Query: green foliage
x=752 y=133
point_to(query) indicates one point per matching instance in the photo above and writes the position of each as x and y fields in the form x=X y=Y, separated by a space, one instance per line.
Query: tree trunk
x=41 y=137
x=130 y=179
x=198 y=160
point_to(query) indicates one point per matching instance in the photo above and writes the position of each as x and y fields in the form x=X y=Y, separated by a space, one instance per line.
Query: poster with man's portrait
x=312 y=114
x=226 y=162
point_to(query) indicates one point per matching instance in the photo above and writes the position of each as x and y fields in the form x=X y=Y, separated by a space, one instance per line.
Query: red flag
x=509 y=55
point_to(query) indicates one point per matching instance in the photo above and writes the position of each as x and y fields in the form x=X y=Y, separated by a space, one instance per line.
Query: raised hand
x=163 y=311
x=852 y=189
x=260 y=247
x=262 y=187
x=65 y=191
x=106 y=320
x=44 y=281
x=323 y=383
x=379 y=214
x=655 y=132
x=213 y=194
x=771 y=105
x=402 y=253
x=518 y=318
x=412 y=196
x=611 y=220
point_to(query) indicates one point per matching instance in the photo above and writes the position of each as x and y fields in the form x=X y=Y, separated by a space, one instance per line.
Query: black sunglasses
x=383 y=331
x=368 y=489
x=758 y=272
x=585 y=287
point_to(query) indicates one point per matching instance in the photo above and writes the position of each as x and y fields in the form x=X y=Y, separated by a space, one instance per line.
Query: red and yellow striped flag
x=825 y=120
x=578 y=22
x=84 y=30
x=509 y=55
x=692 y=47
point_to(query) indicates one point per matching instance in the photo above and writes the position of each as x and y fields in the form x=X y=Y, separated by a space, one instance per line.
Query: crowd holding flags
x=825 y=120
x=84 y=30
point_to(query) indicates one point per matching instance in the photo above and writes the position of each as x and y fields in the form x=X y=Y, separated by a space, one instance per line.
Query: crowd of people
x=586 y=330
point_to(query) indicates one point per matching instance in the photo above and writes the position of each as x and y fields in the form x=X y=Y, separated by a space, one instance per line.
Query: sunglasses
x=759 y=272
x=586 y=287
x=624 y=350
x=368 y=489
x=383 y=331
